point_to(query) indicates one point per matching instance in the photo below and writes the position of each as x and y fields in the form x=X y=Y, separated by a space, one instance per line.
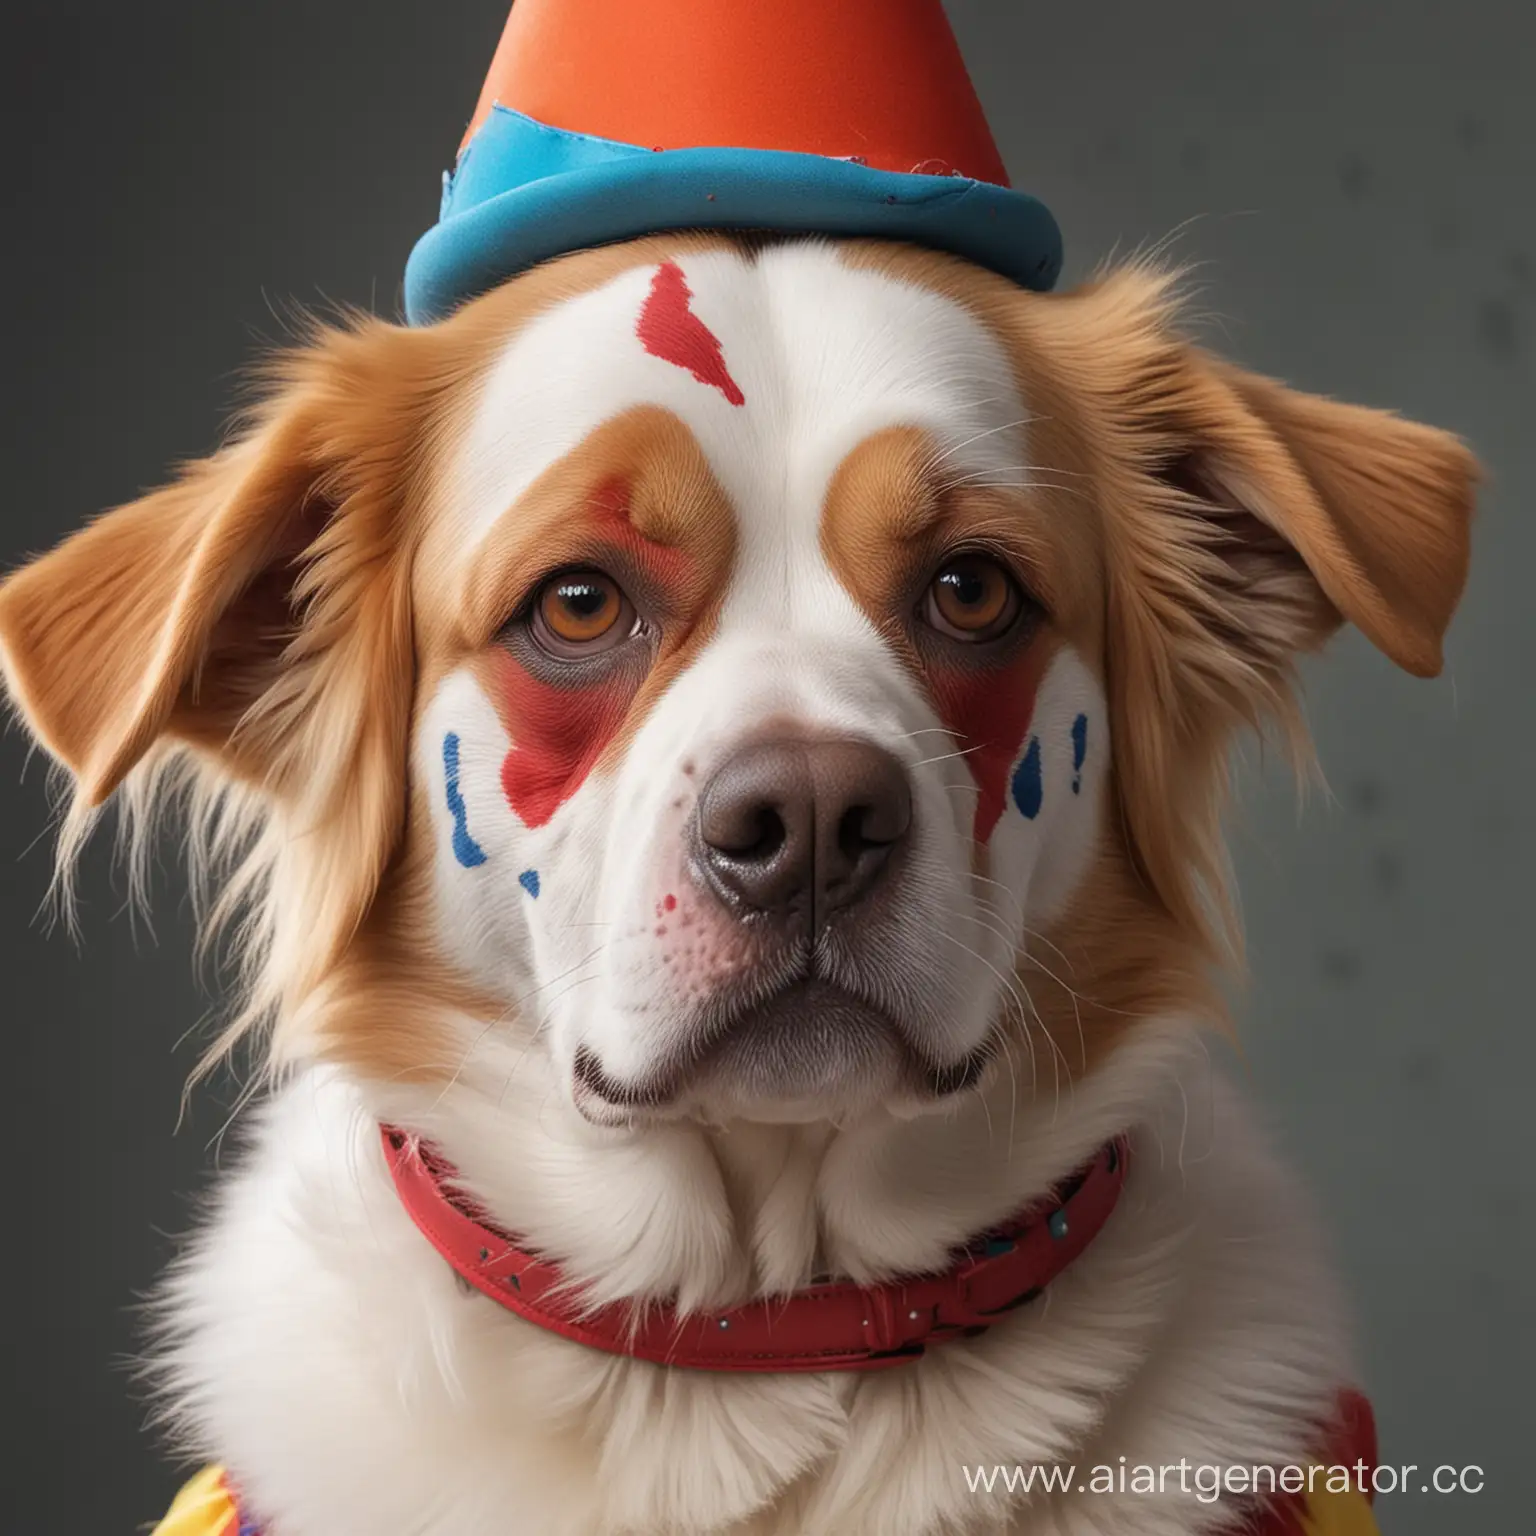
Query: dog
x=715 y=754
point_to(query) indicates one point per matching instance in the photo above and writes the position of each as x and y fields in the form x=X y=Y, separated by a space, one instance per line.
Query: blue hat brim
x=524 y=193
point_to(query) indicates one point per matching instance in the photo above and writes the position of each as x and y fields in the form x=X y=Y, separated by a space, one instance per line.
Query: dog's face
x=758 y=750
x=768 y=683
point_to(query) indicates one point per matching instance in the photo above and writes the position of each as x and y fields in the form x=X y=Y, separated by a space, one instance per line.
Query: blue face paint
x=466 y=850
x=1028 y=791
x=529 y=880
x=1079 y=750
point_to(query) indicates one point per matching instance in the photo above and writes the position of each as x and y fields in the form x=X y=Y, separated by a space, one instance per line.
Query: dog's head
x=759 y=682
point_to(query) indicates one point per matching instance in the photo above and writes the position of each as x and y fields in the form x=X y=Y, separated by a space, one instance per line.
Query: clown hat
x=603 y=120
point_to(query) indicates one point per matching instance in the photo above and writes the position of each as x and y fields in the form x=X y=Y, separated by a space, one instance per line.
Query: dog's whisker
x=970 y=789
x=511 y=1010
x=1056 y=949
x=540 y=1029
x=948 y=452
x=924 y=730
x=1009 y=986
x=945 y=757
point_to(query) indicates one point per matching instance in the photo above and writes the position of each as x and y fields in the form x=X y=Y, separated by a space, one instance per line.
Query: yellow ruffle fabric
x=1339 y=1514
x=204 y=1507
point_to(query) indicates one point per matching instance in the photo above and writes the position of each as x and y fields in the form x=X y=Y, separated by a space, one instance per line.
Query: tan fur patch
x=891 y=514
x=646 y=459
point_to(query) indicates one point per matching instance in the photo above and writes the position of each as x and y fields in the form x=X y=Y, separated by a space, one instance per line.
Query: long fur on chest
x=317 y=1344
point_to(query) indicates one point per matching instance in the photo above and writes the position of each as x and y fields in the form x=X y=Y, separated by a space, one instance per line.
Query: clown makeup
x=733 y=522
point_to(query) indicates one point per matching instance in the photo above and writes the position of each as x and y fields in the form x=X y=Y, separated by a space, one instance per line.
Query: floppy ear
x=110 y=636
x=255 y=610
x=1377 y=509
x=1243 y=522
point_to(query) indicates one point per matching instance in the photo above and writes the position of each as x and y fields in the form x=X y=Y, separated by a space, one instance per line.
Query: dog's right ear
x=108 y=641
x=256 y=610
x=179 y=614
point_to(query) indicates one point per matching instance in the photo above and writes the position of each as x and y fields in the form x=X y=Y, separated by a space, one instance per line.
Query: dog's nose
x=802 y=828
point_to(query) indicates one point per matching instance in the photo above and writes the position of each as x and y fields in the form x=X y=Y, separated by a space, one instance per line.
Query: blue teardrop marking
x=1028 y=791
x=466 y=850
x=1079 y=751
x=1058 y=1225
x=529 y=880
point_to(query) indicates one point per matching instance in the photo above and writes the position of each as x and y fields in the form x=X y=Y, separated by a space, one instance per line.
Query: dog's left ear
x=1275 y=513
x=1243 y=522
x=1378 y=509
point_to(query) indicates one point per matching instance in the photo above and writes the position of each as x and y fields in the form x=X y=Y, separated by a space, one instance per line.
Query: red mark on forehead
x=989 y=714
x=670 y=330
x=558 y=734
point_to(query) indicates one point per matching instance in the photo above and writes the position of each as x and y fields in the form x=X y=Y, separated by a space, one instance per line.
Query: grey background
x=1355 y=179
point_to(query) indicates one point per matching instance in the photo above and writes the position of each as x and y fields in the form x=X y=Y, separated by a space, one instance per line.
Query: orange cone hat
x=602 y=120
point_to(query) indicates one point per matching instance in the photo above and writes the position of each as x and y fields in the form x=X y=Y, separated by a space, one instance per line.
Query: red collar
x=834 y=1327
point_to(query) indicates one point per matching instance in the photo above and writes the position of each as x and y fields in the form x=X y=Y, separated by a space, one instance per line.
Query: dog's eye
x=972 y=598
x=580 y=612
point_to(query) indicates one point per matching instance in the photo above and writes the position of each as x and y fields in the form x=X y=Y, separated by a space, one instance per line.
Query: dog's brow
x=640 y=486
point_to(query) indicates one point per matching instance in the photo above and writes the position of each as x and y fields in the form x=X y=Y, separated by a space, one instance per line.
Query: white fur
x=329 y=1353
x=320 y=1347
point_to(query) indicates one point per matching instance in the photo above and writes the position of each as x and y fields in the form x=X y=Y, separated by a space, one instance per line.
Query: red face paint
x=989 y=713
x=558 y=735
x=670 y=330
